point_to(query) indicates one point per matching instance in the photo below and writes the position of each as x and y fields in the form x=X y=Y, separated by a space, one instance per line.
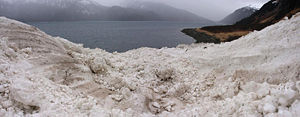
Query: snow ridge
x=256 y=75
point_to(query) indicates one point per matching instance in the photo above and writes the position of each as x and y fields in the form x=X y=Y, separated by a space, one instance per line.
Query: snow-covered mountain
x=53 y=10
x=238 y=15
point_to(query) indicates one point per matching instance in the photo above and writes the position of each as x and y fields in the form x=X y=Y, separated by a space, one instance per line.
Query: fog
x=122 y=10
x=211 y=9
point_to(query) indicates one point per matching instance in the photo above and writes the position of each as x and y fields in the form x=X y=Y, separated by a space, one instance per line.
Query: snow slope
x=256 y=75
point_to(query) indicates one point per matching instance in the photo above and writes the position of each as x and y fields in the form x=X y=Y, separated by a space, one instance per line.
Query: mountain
x=166 y=12
x=238 y=15
x=49 y=10
x=68 y=10
x=129 y=14
x=271 y=12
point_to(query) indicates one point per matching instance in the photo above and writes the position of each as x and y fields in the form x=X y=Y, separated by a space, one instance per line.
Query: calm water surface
x=120 y=35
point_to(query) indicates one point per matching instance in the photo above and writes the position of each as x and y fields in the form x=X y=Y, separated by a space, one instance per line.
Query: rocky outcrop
x=270 y=13
x=205 y=37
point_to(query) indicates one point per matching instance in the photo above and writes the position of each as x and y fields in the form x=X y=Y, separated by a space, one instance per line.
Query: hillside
x=51 y=10
x=270 y=13
x=238 y=15
x=167 y=12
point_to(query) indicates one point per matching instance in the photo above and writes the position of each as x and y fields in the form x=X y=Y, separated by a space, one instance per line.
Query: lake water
x=120 y=35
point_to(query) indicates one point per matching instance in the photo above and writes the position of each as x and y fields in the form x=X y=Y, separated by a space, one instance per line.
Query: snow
x=256 y=75
x=275 y=2
x=250 y=8
x=85 y=2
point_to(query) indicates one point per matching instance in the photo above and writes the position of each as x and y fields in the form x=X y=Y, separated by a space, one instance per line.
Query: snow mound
x=257 y=75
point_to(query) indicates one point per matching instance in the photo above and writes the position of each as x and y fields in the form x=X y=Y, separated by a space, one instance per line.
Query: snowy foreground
x=257 y=75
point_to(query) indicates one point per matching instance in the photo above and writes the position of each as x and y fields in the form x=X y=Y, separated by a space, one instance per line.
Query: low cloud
x=211 y=9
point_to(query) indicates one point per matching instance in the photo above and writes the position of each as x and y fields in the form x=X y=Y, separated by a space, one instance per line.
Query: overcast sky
x=211 y=9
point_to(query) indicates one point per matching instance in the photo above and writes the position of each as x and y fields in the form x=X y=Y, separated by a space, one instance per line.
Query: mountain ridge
x=238 y=15
x=169 y=12
x=69 y=10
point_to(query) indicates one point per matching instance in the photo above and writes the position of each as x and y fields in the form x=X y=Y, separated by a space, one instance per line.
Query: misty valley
x=120 y=36
x=115 y=28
